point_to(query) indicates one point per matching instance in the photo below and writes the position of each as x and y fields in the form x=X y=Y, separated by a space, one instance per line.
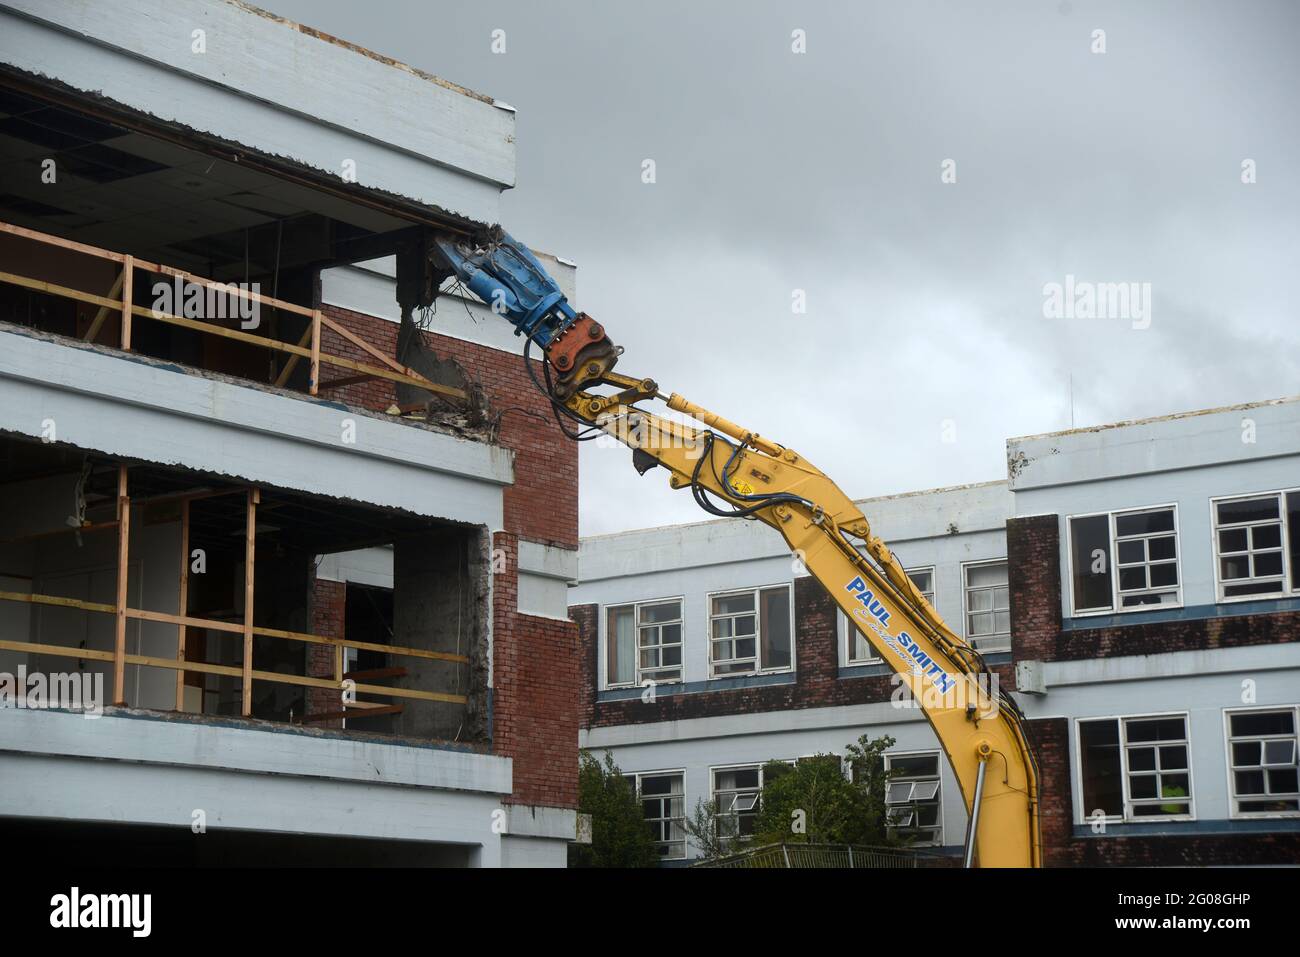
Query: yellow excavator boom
x=980 y=728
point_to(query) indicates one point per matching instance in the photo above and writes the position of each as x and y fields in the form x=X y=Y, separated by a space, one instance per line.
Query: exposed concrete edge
x=156 y=740
x=548 y=561
x=1249 y=659
x=50 y=380
x=535 y=820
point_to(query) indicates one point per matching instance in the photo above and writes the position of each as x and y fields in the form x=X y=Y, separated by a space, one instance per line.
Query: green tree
x=814 y=802
x=620 y=836
x=713 y=835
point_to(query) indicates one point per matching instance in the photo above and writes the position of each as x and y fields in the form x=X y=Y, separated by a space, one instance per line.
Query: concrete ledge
x=148 y=410
x=531 y=820
x=160 y=740
x=258 y=84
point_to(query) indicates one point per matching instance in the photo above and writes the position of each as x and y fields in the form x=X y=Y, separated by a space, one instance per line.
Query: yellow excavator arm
x=981 y=730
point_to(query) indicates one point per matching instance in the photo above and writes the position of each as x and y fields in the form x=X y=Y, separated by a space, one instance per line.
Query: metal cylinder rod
x=975 y=814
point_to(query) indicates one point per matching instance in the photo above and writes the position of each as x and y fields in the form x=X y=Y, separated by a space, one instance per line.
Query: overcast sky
x=924 y=345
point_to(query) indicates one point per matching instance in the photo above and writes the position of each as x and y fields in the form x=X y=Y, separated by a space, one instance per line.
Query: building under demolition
x=277 y=500
x=1136 y=586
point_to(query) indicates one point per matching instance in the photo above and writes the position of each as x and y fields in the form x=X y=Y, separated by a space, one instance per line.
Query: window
x=858 y=651
x=1257 y=545
x=736 y=794
x=912 y=798
x=663 y=804
x=988 y=607
x=643 y=642
x=1262 y=762
x=749 y=631
x=1124 y=560
x=1135 y=768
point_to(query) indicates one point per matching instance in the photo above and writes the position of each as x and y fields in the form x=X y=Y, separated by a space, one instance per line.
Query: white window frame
x=847 y=630
x=605 y=683
x=1115 y=606
x=938 y=795
x=713 y=791
x=1219 y=584
x=1082 y=816
x=1227 y=744
x=635 y=777
x=758 y=668
x=965 y=604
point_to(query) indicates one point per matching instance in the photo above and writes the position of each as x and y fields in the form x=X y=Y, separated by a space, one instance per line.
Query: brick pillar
x=328 y=614
x=817 y=662
x=1034 y=579
x=536 y=681
x=1050 y=738
x=588 y=624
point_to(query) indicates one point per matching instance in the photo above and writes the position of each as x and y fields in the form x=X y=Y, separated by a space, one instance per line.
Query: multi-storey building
x=1136 y=586
x=295 y=537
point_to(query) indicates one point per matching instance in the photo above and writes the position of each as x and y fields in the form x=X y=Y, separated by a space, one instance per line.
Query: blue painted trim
x=1190 y=613
x=876 y=670
x=1187 y=828
x=864 y=671
x=697 y=687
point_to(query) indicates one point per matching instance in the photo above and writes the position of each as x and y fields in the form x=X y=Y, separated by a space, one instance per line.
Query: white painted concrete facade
x=1183 y=460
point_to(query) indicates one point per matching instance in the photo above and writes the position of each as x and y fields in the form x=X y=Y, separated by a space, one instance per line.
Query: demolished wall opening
x=140 y=575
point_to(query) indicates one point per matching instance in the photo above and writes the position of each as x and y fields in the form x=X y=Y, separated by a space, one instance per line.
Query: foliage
x=814 y=802
x=713 y=834
x=620 y=836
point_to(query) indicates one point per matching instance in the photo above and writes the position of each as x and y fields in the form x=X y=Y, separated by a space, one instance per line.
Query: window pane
x=915 y=765
x=1142 y=523
x=1132 y=551
x=620 y=652
x=1160 y=549
x=1268 y=564
x=1266 y=536
x=924 y=580
x=1131 y=579
x=1233 y=540
x=775 y=627
x=1141 y=759
x=995 y=574
x=1248 y=510
x=1090 y=561
x=664 y=611
x=1293 y=536
x=1155 y=729
x=1173 y=758
x=1164 y=575
x=1100 y=763
x=733 y=604
x=1263 y=722
x=1249 y=782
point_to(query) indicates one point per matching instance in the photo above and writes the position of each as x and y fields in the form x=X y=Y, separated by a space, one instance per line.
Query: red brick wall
x=1034 y=584
x=1051 y=738
x=1033 y=559
x=535 y=665
x=328 y=615
x=535 y=696
x=816 y=680
x=542 y=505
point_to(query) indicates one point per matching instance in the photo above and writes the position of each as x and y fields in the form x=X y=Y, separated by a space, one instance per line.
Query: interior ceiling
x=129 y=192
x=294 y=521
